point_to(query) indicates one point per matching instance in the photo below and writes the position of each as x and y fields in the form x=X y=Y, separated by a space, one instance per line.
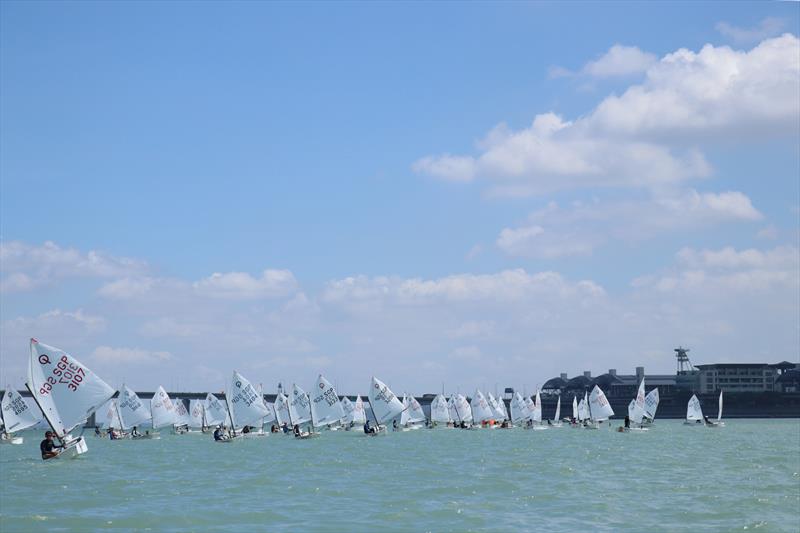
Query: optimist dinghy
x=66 y=391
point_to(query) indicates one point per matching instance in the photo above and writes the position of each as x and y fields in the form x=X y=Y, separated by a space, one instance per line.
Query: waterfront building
x=742 y=377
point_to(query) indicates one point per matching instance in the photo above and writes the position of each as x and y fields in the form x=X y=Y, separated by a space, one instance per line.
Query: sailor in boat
x=368 y=429
x=394 y=425
x=285 y=427
x=708 y=422
x=218 y=435
x=47 y=446
x=246 y=429
x=135 y=432
x=274 y=429
x=97 y=432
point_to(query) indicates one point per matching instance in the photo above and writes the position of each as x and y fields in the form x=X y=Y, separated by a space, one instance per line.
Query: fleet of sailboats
x=67 y=393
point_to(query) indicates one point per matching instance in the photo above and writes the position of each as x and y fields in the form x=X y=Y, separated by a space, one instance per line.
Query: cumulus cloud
x=621 y=143
x=582 y=227
x=27 y=266
x=107 y=354
x=505 y=286
x=226 y=286
x=768 y=27
x=240 y=285
x=715 y=90
x=730 y=270
x=618 y=61
x=57 y=320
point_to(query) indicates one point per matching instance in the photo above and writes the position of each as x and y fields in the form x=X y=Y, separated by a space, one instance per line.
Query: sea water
x=742 y=477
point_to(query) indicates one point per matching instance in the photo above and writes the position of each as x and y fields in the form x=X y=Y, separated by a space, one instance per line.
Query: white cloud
x=579 y=229
x=727 y=271
x=466 y=353
x=240 y=285
x=474 y=329
x=58 y=320
x=768 y=233
x=26 y=266
x=505 y=286
x=686 y=96
x=618 y=61
x=107 y=354
x=719 y=90
x=768 y=27
x=227 y=286
x=447 y=167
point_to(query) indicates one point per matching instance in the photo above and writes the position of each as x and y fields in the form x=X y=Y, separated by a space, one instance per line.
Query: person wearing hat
x=48 y=447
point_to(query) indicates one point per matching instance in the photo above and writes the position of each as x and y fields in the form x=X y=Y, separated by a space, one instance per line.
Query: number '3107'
x=65 y=372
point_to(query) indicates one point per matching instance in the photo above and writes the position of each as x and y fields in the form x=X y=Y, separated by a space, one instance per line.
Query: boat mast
x=119 y=414
x=311 y=410
x=230 y=413
x=455 y=406
x=289 y=411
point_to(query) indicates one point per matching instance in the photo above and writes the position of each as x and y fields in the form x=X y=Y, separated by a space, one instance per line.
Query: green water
x=743 y=477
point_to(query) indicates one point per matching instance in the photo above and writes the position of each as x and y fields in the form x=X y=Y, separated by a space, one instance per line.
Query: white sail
x=480 y=408
x=299 y=406
x=182 y=417
x=270 y=416
x=530 y=405
x=404 y=414
x=651 y=404
x=246 y=404
x=599 y=408
x=439 y=411
x=359 y=415
x=537 y=412
x=631 y=408
x=347 y=409
x=498 y=407
x=417 y=413
x=583 y=408
x=132 y=411
x=575 y=408
x=325 y=405
x=519 y=409
x=693 y=409
x=384 y=403
x=281 y=409
x=638 y=404
x=557 y=416
x=109 y=415
x=451 y=409
x=215 y=412
x=196 y=414
x=17 y=413
x=162 y=409
x=66 y=391
x=412 y=411
x=719 y=413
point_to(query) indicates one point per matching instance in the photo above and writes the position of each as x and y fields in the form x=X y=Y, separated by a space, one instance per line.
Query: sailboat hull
x=72 y=450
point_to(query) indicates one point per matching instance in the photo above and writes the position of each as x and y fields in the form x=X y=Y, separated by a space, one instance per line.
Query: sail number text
x=65 y=372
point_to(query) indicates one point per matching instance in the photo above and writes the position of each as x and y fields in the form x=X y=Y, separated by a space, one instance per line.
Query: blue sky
x=347 y=150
